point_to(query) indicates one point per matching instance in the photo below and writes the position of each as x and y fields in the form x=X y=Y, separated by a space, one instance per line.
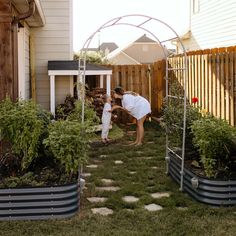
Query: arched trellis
x=142 y=24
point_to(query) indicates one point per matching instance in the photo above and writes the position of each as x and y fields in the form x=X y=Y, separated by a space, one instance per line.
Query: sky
x=90 y=15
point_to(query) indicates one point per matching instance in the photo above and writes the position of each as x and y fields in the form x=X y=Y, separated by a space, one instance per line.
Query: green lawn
x=180 y=214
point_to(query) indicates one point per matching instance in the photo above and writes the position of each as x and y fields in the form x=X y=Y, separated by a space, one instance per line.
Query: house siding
x=146 y=52
x=122 y=59
x=213 y=26
x=53 y=42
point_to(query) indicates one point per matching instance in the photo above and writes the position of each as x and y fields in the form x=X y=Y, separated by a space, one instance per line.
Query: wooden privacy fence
x=211 y=78
x=147 y=80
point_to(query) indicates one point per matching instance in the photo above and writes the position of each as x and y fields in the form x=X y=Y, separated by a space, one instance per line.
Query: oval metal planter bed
x=212 y=192
x=39 y=203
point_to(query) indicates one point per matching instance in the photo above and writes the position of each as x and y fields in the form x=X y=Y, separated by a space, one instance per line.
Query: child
x=106 y=118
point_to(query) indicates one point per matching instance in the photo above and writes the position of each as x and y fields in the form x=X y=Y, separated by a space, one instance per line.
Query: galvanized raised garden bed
x=39 y=203
x=212 y=192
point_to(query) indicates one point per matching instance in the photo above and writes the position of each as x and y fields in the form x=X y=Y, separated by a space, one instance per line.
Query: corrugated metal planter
x=212 y=192
x=39 y=203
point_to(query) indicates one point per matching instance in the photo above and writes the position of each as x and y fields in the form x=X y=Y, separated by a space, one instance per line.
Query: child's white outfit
x=106 y=120
x=138 y=106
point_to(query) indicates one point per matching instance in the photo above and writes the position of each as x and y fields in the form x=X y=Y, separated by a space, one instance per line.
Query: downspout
x=27 y=14
x=15 y=22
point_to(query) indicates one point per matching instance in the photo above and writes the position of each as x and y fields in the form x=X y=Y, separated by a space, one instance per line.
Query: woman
x=135 y=105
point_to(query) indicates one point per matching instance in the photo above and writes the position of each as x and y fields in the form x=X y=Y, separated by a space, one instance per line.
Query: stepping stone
x=110 y=188
x=160 y=195
x=154 y=167
x=153 y=207
x=96 y=199
x=130 y=199
x=97 y=161
x=84 y=175
x=92 y=166
x=139 y=152
x=182 y=208
x=130 y=210
x=102 y=211
x=107 y=181
x=118 y=162
x=103 y=156
x=133 y=172
x=146 y=158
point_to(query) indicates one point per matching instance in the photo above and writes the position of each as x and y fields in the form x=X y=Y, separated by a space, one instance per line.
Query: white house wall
x=213 y=26
x=53 y=42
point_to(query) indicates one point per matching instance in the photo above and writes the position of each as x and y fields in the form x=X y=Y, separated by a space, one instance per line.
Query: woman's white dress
x=138 y=106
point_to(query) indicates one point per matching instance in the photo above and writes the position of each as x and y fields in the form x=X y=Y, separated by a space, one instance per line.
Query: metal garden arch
x=142 y=24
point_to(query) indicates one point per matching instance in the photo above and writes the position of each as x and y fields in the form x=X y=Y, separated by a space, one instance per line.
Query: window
x=196 y=6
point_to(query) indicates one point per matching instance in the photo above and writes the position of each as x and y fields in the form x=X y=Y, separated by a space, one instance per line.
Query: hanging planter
x=39 y=203
x=205 y=190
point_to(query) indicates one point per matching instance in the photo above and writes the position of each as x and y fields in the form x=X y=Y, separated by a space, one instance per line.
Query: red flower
x=194 y=100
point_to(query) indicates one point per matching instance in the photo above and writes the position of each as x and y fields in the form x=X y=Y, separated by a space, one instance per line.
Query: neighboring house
x=142 y=51
x=105 y=48
x=29 y=39
x=212 y=25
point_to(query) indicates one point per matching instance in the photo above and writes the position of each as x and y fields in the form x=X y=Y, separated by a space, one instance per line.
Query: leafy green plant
x=90 y=117
x=68 y=142
x=94 y=58
x=214 y=138
x=173 y=119
x=28 y=179
x=23 y=124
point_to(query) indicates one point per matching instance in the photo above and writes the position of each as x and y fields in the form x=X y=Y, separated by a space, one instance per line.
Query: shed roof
x=71 y=68
x=73 y=65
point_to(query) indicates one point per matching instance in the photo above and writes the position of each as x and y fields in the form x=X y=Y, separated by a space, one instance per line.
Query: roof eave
x=184 y=36
x=37 y=19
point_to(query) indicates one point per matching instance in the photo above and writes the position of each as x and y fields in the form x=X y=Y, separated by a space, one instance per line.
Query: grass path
x=139 y=172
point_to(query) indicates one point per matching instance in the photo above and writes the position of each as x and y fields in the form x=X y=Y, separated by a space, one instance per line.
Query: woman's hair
x=131 y=93
x=119 y=91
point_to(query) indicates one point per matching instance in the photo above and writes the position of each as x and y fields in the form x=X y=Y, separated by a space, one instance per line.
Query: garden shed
x=70 y=68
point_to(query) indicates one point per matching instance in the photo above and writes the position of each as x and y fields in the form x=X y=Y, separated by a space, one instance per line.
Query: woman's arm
x=119 y=107
x=116 y=107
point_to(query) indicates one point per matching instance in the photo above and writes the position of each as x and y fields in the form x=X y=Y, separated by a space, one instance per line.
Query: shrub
x=90 y=117
x=214 y=139
x=23 y=124
x=68 y=142
x=173 y=120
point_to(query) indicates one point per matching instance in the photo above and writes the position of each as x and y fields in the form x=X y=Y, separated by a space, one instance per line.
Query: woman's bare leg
x=140 y=131
x=137 y=135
